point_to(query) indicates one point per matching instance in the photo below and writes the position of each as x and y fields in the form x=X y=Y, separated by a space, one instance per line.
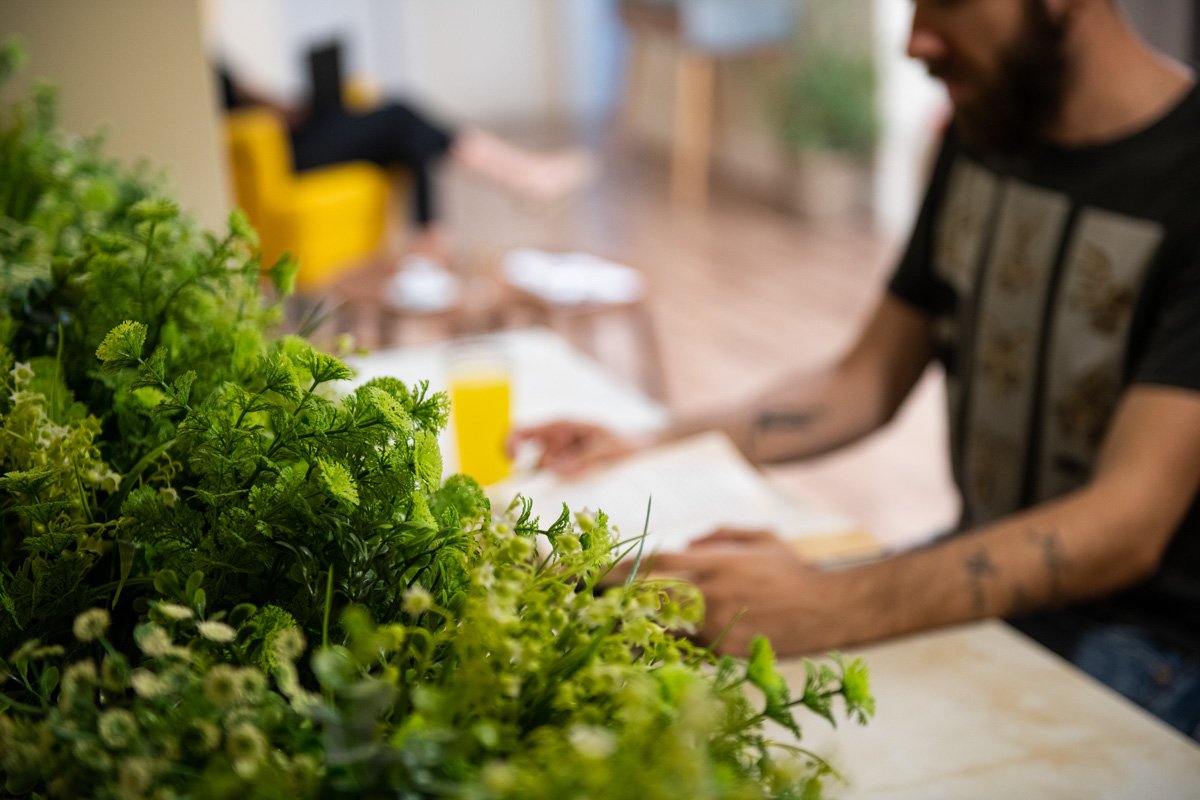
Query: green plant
x=223 y=575
x=826 y=101
x=825 y=98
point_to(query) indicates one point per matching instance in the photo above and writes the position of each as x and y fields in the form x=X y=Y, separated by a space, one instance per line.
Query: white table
x=980 y=712
x=550 y=380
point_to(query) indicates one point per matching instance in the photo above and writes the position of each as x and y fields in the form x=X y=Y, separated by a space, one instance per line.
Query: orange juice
x=481 y=405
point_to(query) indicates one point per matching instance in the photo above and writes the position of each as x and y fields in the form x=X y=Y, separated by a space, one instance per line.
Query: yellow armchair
x=332 y=219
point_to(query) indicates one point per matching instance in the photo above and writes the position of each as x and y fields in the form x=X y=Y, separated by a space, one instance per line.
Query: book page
x=694 y=487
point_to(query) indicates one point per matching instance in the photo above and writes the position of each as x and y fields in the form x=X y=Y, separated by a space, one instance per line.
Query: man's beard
x=1013 y=112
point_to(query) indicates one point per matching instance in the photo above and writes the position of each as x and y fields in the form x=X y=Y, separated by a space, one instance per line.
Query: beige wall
x=136 y=67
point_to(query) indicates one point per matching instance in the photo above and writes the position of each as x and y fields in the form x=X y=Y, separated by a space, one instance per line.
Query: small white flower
x=288 y=644
x=91 y=624
x=117 y=727
x=136 y=776
x=22 y=397
x=110 y=481
x=147 y=684
x=592 y=742
x=169 y=496
x=216 y=631
x=48 y=435
x=174 y=611
x=48 y=651
x=254 y=683
x=155 y=642
x=499 y=613
x=246 y=747
x=201 y=737
x=288 y=679
x=22 y=373
x=417 y=600
x=223 y=686
x=485 y=575
x=78 y=678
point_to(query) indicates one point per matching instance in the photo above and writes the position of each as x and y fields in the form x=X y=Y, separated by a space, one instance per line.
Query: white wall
x=244 y=36
x=592 y=51
x=477 y=60
x=911 y=105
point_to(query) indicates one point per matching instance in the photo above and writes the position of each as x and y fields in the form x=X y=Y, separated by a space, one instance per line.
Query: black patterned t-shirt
x=1055 y=281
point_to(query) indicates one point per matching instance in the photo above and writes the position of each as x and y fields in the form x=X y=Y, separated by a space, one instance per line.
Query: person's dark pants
x=390 y=135
x=1163 y=681
x=1160 y=678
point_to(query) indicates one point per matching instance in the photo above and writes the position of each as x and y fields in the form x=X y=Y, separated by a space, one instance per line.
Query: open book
x=694 y=486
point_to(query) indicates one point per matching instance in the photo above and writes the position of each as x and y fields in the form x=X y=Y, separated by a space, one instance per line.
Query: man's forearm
x=814 y=413
x=1051 y=555
x=802 y=417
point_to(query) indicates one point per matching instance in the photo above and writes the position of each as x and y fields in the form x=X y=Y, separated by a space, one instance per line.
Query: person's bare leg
x=532 y=174
x=430 y=242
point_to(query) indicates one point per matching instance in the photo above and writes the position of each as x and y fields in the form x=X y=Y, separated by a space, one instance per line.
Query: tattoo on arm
x=1026 y=602
x=1053 y=560
x=787 y=420
x=768 y=422
x=979 y=568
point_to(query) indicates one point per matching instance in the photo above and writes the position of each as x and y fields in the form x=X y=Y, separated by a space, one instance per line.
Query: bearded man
x=1054 y=271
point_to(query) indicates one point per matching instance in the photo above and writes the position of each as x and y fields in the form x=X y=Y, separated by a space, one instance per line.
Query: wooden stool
x=694 y=87
x=580 y=324
x=365 y=311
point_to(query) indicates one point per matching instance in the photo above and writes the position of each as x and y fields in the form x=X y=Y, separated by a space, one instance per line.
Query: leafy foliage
x=160 y=447
x=825 y=99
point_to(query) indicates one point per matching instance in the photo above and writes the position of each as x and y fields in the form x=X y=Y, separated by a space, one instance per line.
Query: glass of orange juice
x=481 y=409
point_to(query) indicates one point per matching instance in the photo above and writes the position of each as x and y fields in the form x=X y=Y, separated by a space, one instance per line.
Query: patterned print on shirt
x=1081 y=413
x=965 y=223
x=1016 y=273
x=1004 y=357
x=1105 y=267
x=1106 y=303
x=1011 y=313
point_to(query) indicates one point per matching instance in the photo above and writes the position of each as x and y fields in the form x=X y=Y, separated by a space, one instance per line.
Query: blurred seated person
x=394 y=133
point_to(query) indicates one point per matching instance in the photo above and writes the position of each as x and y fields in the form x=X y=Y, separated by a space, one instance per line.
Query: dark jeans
x=1161 y=680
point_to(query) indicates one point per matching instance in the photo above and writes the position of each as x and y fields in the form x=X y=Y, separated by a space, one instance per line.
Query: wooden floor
x=740 y=294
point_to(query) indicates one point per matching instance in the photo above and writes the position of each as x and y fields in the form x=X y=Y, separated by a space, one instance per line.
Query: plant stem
x=328 y=608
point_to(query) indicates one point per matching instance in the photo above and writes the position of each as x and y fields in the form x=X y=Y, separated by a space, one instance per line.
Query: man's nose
x=924 y=43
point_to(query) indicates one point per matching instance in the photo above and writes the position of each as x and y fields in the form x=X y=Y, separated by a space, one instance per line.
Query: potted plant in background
x=222 y=576
x=824 y=113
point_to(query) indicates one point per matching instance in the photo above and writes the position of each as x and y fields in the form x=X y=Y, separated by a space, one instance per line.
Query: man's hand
x=570 y=448
x=755 y=580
